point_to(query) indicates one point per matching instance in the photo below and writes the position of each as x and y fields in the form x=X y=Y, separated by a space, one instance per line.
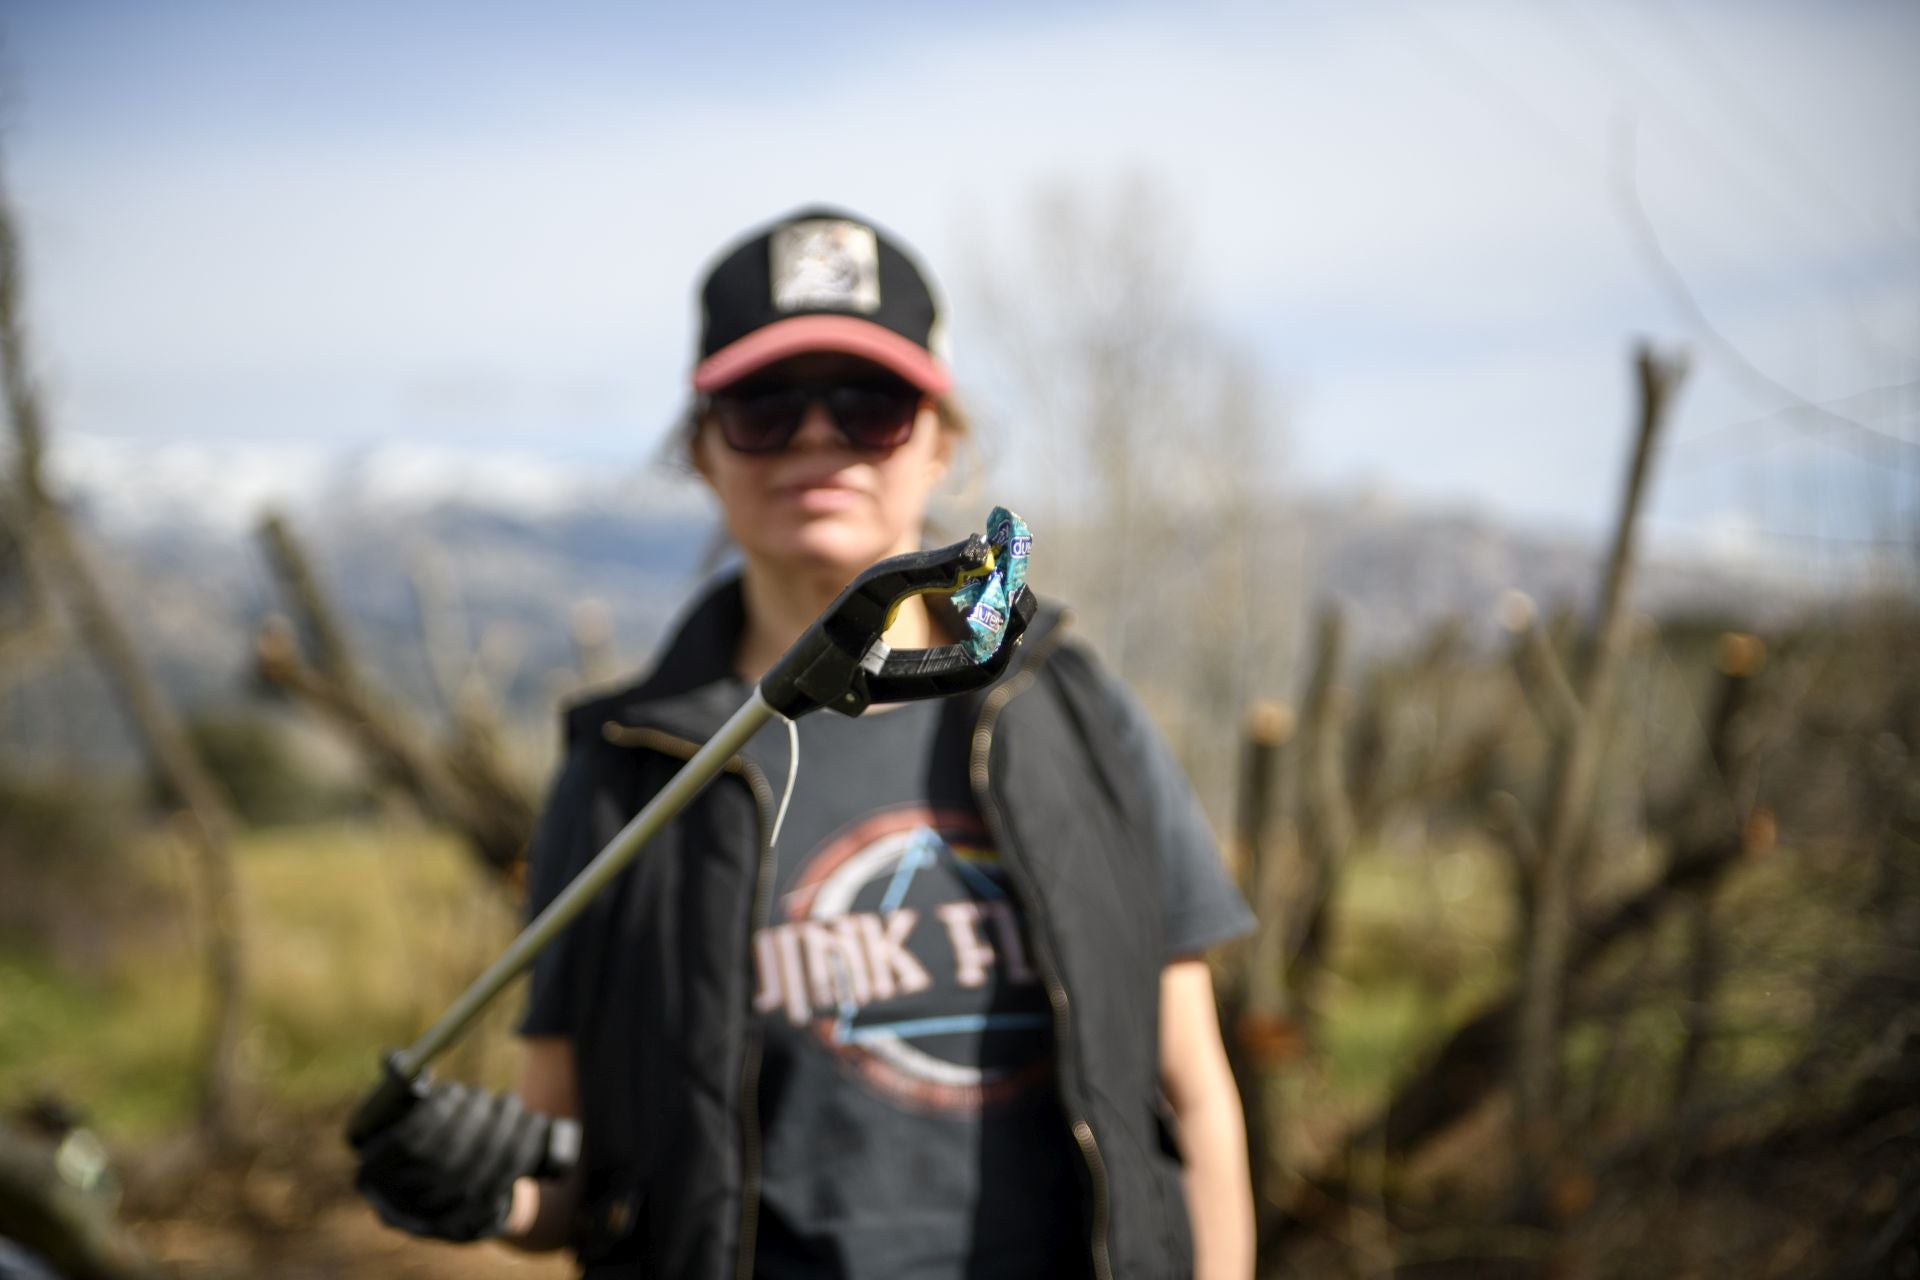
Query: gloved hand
x=446 y=1168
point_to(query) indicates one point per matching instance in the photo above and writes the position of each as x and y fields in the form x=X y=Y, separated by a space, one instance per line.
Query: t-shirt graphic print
x=902 y=948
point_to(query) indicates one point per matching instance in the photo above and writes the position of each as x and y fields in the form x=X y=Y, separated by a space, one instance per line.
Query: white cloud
x=1406 y=210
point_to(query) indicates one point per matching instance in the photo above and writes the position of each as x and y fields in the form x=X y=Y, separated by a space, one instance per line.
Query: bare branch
x=314 y=613
x=177 y=768
x=29 y=638
x=1326 y=826
x=1576 y=768
x=1543 y=677
x=1262 y=1036
x=71 y=1228
x=463 y=785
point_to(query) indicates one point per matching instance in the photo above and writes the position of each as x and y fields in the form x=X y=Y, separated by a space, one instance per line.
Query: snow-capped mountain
x=499 y=553
x=135 y=489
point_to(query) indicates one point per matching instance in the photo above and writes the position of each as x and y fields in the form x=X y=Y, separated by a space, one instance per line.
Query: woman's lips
x=821 y=496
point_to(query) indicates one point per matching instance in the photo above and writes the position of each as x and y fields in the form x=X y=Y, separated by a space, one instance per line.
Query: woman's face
x=822 y=504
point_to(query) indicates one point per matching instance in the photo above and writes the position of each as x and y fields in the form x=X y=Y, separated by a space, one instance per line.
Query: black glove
x=446 y=1168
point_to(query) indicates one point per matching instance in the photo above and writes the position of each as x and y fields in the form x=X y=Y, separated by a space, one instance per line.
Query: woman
x=954 y=1020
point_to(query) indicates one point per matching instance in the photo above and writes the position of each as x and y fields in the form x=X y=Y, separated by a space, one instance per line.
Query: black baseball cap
x=819 y=279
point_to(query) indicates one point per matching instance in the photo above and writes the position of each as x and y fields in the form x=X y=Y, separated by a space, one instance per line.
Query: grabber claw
x=842 y=663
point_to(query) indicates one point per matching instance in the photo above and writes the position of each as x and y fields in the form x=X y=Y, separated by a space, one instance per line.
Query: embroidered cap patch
x=825 y=263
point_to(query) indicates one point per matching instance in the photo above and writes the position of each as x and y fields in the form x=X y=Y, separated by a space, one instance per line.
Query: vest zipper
x=750 y=1154
x=1010 y=688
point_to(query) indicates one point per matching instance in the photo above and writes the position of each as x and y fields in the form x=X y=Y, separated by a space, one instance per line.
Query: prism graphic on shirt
x=902 y=947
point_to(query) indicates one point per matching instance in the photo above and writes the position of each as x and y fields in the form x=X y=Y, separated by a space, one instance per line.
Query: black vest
x=661 y=976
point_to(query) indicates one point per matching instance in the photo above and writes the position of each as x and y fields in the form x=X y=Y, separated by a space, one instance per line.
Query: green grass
x=122 y=1049
x=356 y=937
x=359 y=934
x=1420 y=942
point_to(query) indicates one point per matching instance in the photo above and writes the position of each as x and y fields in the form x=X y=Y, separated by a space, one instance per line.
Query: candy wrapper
x=984 y=602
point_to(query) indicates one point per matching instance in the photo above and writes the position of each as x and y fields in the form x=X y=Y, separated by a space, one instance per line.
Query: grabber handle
x=400 y=1070
x=388 y=1102
x=842 y=664
x=385 y=1103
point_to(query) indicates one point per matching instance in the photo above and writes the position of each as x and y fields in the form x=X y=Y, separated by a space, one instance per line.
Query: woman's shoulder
x=1077 y=667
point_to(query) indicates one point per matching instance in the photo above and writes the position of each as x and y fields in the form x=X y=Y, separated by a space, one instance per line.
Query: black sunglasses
x=872 y=413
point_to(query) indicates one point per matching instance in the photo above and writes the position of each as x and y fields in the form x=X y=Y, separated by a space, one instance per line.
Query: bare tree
x=1326 y=808
x=1549 y=922
x=28 y=628
x=1262 y=1033
x=51 y=541
x=1470 y=1064
x=1149 y=440
x=462 y=782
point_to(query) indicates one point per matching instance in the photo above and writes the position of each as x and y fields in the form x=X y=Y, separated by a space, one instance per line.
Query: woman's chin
x=820 y=546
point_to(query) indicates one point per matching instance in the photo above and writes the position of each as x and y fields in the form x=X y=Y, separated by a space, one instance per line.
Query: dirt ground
x=339 y=1241
x=283 y=1205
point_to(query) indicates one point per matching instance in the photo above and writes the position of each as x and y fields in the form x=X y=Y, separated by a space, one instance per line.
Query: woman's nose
x=817 y=429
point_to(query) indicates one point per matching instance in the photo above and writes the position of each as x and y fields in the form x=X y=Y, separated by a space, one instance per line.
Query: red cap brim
x=803 y=335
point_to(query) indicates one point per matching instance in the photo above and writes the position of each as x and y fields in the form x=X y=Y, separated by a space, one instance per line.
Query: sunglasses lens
x=760 y=421
x=871 y=415
x=875 y=416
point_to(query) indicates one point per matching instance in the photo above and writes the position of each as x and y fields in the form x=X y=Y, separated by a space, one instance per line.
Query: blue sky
x=480 y=223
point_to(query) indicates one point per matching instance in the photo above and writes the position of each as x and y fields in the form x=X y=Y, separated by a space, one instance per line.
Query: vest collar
x=692 y=688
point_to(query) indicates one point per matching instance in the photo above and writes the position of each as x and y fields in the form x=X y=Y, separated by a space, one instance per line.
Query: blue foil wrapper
x=986 y=602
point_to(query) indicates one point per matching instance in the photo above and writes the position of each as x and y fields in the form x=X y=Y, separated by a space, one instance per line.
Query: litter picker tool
x=841 y=663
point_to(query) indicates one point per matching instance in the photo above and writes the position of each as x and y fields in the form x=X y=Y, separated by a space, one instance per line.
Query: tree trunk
x=69 y=1226
x=1262 y=1036
x=186 y=783
x=1536 y=1067
x=1326 y=826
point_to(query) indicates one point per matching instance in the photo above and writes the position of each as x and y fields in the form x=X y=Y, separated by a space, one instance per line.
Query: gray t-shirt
x=910 y=1121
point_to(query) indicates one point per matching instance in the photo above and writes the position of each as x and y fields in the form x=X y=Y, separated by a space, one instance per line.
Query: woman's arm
x=1212 y=1132
x=542 y=1212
